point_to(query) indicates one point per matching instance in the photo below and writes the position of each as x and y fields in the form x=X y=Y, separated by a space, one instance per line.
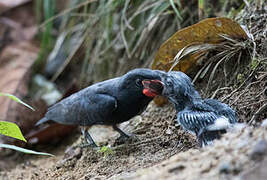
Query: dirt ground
x=159 y=150
x=154 y=140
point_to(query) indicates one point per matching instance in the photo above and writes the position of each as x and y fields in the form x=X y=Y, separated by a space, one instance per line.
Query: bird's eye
x=169 y=83
x=138 y=82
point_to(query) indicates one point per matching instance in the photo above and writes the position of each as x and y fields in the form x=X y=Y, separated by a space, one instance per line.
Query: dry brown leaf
x=17 y=25
x=49 y=133
x=207 y=31
x=9 y=4
x=15 y=63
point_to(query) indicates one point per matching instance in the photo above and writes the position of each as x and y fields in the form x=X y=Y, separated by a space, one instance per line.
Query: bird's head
x=178 y=87
x=140 y=80
x=176 y=83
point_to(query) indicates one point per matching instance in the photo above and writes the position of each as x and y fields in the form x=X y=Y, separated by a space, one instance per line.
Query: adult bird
x=206 y=118
x=106 y=103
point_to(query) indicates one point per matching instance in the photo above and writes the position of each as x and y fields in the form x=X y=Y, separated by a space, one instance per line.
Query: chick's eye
x=169 y=83
x=138 y=82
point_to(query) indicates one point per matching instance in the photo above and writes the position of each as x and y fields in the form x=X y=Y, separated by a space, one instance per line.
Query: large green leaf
x=16 y=99
x=27 y=151
x=11 y=129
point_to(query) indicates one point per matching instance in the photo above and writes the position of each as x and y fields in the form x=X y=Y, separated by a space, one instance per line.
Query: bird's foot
x=87 y=140
x=87 y=143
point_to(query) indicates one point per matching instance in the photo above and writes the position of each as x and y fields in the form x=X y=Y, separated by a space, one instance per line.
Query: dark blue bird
x=206 y=118
x=106 y=103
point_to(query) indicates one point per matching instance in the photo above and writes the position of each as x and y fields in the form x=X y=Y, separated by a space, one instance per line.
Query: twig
x=258 y=102
x=262 y=109
x=245 y=81
x=220 y=89
x=241 y=94
x=204 y=69
x=237 y=89
x=250 y=100
x=213 y=73
x=265 y=89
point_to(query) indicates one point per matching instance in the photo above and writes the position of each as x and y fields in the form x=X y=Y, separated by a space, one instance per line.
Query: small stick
x=262 y=109
x=220 y=89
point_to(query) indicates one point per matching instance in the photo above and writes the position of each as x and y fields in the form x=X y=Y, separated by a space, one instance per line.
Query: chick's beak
x=152 y=88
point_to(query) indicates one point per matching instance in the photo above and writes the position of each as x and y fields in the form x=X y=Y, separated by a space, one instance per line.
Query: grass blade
x=17 y=100
x=26 y=151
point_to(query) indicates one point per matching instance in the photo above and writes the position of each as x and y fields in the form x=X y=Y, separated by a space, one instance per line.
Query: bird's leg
x=122 y=134
x=200 y=132
x=200 y=138
x=87 y=138
x=206 y=137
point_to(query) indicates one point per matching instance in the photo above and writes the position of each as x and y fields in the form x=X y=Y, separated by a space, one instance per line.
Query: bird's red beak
x=152 y=88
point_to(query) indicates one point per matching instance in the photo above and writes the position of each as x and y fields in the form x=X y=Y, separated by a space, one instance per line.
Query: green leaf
x=16 y=99
x=106 y=151
x=27 y=151
x=11 y=129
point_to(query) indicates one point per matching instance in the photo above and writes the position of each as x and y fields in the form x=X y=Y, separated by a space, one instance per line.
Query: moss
x=253 y=64
x=240 y=78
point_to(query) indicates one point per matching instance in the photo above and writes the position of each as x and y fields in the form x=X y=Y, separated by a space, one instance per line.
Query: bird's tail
x=207 y=135
x=41 y=121
x=219 y=124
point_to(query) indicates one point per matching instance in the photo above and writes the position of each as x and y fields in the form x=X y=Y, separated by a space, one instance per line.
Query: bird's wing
x=222 y=109
x=83 y=110
x=196 y=120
